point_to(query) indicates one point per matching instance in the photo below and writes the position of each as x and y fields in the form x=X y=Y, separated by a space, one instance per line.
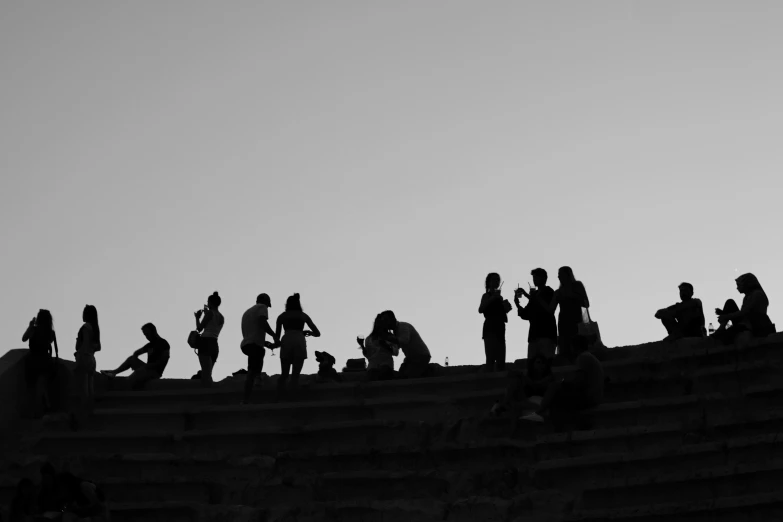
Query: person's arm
x=667 y=312
x=523 y=313
x=487 y=299
x=278 y=327
x=56 y=349
x=313 y=329
x=29 y=332
x=144 y=349
x=204 y=322
x=586 y=301
x=551 y=306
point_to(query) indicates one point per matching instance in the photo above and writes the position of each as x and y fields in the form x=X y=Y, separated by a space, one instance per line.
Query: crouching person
x=326 y=370
x=158 y=352
x=568 y=398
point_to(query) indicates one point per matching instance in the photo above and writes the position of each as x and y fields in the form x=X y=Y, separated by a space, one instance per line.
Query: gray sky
x=381 y=155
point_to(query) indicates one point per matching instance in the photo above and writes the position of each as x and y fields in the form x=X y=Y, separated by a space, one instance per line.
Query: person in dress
x=293 y=343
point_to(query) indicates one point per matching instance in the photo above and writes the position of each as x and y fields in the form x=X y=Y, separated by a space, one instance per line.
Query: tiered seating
x=689 y=432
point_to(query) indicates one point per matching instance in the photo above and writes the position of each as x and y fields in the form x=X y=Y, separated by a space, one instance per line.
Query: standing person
x=39 y=366
x=380 y=351
x=293 y=345
x=209 y=327
x=683 y=319
x=542 y=335
x=751 y=320
x=404 y=335
x=158 y=352
x=88 y=341
x=495 y=310
x=255 y=326
x=570 y=297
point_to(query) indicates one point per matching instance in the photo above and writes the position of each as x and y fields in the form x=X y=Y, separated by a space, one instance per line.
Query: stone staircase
x=691 y=431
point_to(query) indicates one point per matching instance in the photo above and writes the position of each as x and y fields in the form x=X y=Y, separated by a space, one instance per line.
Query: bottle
x=711 y=330
x=447 y=361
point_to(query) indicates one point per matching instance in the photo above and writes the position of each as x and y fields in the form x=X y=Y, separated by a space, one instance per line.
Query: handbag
x=193 y=339
x=589 y=328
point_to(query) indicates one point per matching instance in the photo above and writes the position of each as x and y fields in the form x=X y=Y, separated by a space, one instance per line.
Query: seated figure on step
x=749 y=321
x=379 y=349
x=683 y=319
x=157 y=350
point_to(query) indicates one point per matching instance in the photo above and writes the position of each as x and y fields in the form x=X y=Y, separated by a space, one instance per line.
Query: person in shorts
x=209 y=327
x=255 y=326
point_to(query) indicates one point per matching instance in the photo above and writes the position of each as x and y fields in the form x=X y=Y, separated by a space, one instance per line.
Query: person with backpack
x=209 y=327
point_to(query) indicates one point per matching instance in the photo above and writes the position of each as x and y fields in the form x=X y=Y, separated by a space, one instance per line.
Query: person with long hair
x=571 y=297
x=380 y=350
x=751 y=320
x=39 y=366
x=88 y=341
x=209 y=327
x=495 y=310
x=293 y=344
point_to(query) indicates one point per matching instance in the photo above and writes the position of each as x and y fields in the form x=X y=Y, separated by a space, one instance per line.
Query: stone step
x=685 y=485
x=177 y=419
x=751 y=507
x=573 y=474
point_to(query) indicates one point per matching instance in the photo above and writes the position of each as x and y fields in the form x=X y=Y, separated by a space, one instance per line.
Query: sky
x=382 y=155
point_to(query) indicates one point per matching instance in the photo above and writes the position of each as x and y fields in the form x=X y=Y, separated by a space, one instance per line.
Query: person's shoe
x=532 y=417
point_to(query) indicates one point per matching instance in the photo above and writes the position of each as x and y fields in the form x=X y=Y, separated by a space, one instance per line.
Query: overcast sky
x=378 y=156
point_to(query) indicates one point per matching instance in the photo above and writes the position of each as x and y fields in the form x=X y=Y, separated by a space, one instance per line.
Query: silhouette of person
x=749 y=321
x=404 y=335
x=495 y=310
x=88 y=341
x=380 y=350
x=158 y=352
x=533 y=382
x=570 y=297
x=584 y=390
x=255 y=326
x=293 y=345
x=683 y=319
x=209 y=326
x=39 y=366
x=542 y=335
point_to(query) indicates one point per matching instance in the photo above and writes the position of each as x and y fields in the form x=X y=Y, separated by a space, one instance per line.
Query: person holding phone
x=209 y=327
x=293 y=345
x=542 y=335
x=39 y=366
x=495 y=310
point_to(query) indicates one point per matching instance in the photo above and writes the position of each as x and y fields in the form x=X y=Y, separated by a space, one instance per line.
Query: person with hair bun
x=293 y=345
x=209 y=327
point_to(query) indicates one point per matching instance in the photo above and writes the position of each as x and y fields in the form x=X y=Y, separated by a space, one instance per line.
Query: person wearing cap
x=255 y=326
x=683 y=319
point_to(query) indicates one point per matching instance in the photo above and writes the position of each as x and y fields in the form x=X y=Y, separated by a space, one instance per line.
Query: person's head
x=492 y=282
x=747 y=283
x=44 y=320
x=540 y=366
x=686 y=291
x=293 y=304
x=389 y=320
x=566 y=276
x=214 y=300
x=149 y=331
x=264 y=299
x=539 y=277
x=90 y=316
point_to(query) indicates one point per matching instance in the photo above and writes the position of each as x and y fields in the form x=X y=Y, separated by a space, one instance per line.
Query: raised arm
x=204 y=322
x=314 y=329
x=28 y=333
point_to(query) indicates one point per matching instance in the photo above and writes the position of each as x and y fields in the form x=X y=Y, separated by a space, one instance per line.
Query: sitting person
x=683 y=319
x=326 y=370
x=534 y=382
x=379 y=349
x=751 y=320
x=157 y=350
x=405 y=336
x=585 y=390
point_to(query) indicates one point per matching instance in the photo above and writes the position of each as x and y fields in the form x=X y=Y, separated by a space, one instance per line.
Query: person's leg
x=255 y=365
x=285 y=367
x=296 y=369
x=131 y=363
x=500 y=353
x=672 y=328
x=489 y=352
x=141 y=375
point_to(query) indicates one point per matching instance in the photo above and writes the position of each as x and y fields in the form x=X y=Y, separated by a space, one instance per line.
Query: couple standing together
x=544 y=335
